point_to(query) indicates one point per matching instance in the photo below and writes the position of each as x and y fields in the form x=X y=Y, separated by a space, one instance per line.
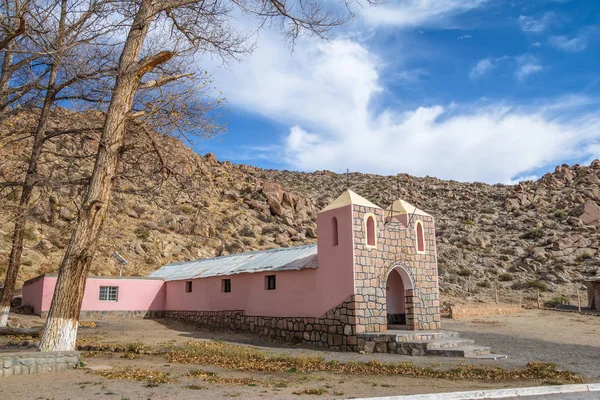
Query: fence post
x=496 y=292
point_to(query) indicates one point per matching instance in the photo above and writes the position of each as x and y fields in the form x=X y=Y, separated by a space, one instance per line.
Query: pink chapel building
x=371 y=269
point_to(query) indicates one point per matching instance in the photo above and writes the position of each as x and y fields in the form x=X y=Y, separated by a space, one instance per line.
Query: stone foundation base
x=95 y=315
x=35 y=362
x=326 y=332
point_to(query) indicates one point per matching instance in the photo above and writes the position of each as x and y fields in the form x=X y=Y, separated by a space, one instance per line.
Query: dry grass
x=317 y=391
x=242 y=358
x=88 y=324
x=211 y=377
x=137 y=374
x=91 y=344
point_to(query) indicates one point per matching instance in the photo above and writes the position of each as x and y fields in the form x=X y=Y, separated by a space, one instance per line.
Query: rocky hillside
x=178 y=206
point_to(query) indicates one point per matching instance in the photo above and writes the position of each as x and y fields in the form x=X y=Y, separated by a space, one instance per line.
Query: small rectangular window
x=188 y=287
x=109 y=293
x=271 y=282
x=226 y=285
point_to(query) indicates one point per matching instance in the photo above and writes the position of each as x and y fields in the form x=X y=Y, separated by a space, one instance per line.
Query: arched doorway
x=397 y=283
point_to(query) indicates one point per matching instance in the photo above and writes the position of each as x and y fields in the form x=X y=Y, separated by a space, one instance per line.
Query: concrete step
x=420 y=336
x=460 y=351
x=449 y=343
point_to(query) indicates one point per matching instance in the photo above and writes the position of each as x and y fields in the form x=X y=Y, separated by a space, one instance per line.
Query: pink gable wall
x=335 y=275
x=135 y=294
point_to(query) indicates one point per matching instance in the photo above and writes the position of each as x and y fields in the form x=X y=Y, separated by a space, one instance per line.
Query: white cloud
x=527 y=69
x=572 y=45
x=463 y=37
x=515 y=181
x=418 y=12
x=527 y=65
x=529 y=24
x=326 y=94
x=482 y=68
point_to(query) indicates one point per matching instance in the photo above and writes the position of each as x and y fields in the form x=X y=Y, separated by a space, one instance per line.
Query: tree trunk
x=14 y=260
x=20 y=331
x=5 y=75
x=60 y=331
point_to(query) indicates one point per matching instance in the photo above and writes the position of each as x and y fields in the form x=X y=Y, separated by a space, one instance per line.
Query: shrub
x=464 y=272
x=583 y=257
x=468 y=222
x=557 y=301
x=533 y=234
x=536 y=284
x=185 y=209
x=560 y=214
x=246 y=231
x=29 y=233
x=506 y=277
x=484 y=284
x=142 y=232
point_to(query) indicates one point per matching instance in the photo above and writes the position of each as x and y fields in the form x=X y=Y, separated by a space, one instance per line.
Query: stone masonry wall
x=335 y=330
x=396 y=246
x=35 y=362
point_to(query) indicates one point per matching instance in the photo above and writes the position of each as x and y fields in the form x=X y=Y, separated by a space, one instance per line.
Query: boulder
x=275 y=206
x=44 y=245
x=564 y=173
x=512 y=204
x=311 y=232
x=273 y=189
x=574 y=221
x=282 y=238
x=589 y=212
x=288 y=200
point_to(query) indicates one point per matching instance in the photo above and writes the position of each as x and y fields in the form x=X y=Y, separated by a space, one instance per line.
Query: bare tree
x=71 y=31
x=204 y=25
x=12 y=22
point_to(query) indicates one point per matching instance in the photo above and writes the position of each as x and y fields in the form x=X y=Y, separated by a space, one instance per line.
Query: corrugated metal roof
x=284 y=259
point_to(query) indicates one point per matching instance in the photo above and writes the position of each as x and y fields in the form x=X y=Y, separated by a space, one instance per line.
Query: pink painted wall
x=135 y=294
x=293 y=296
x=335 y=275
x=33 y=292
x=395 y=296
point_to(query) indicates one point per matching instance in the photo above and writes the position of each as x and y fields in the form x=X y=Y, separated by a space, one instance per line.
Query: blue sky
x=471 y=90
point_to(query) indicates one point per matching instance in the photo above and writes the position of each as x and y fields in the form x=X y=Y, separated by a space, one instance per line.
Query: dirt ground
x=569 y=340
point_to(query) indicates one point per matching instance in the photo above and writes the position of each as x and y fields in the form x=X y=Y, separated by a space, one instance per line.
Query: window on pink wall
x=371 y=231
x=334 y=231
x=420 y=237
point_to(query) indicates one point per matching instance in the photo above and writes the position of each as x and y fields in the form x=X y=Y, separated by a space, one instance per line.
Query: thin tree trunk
x=5 y=75
x=60 y=332
x=14 y=260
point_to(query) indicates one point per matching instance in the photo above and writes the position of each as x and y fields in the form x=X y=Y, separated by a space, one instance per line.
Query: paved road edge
x=497 y=394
